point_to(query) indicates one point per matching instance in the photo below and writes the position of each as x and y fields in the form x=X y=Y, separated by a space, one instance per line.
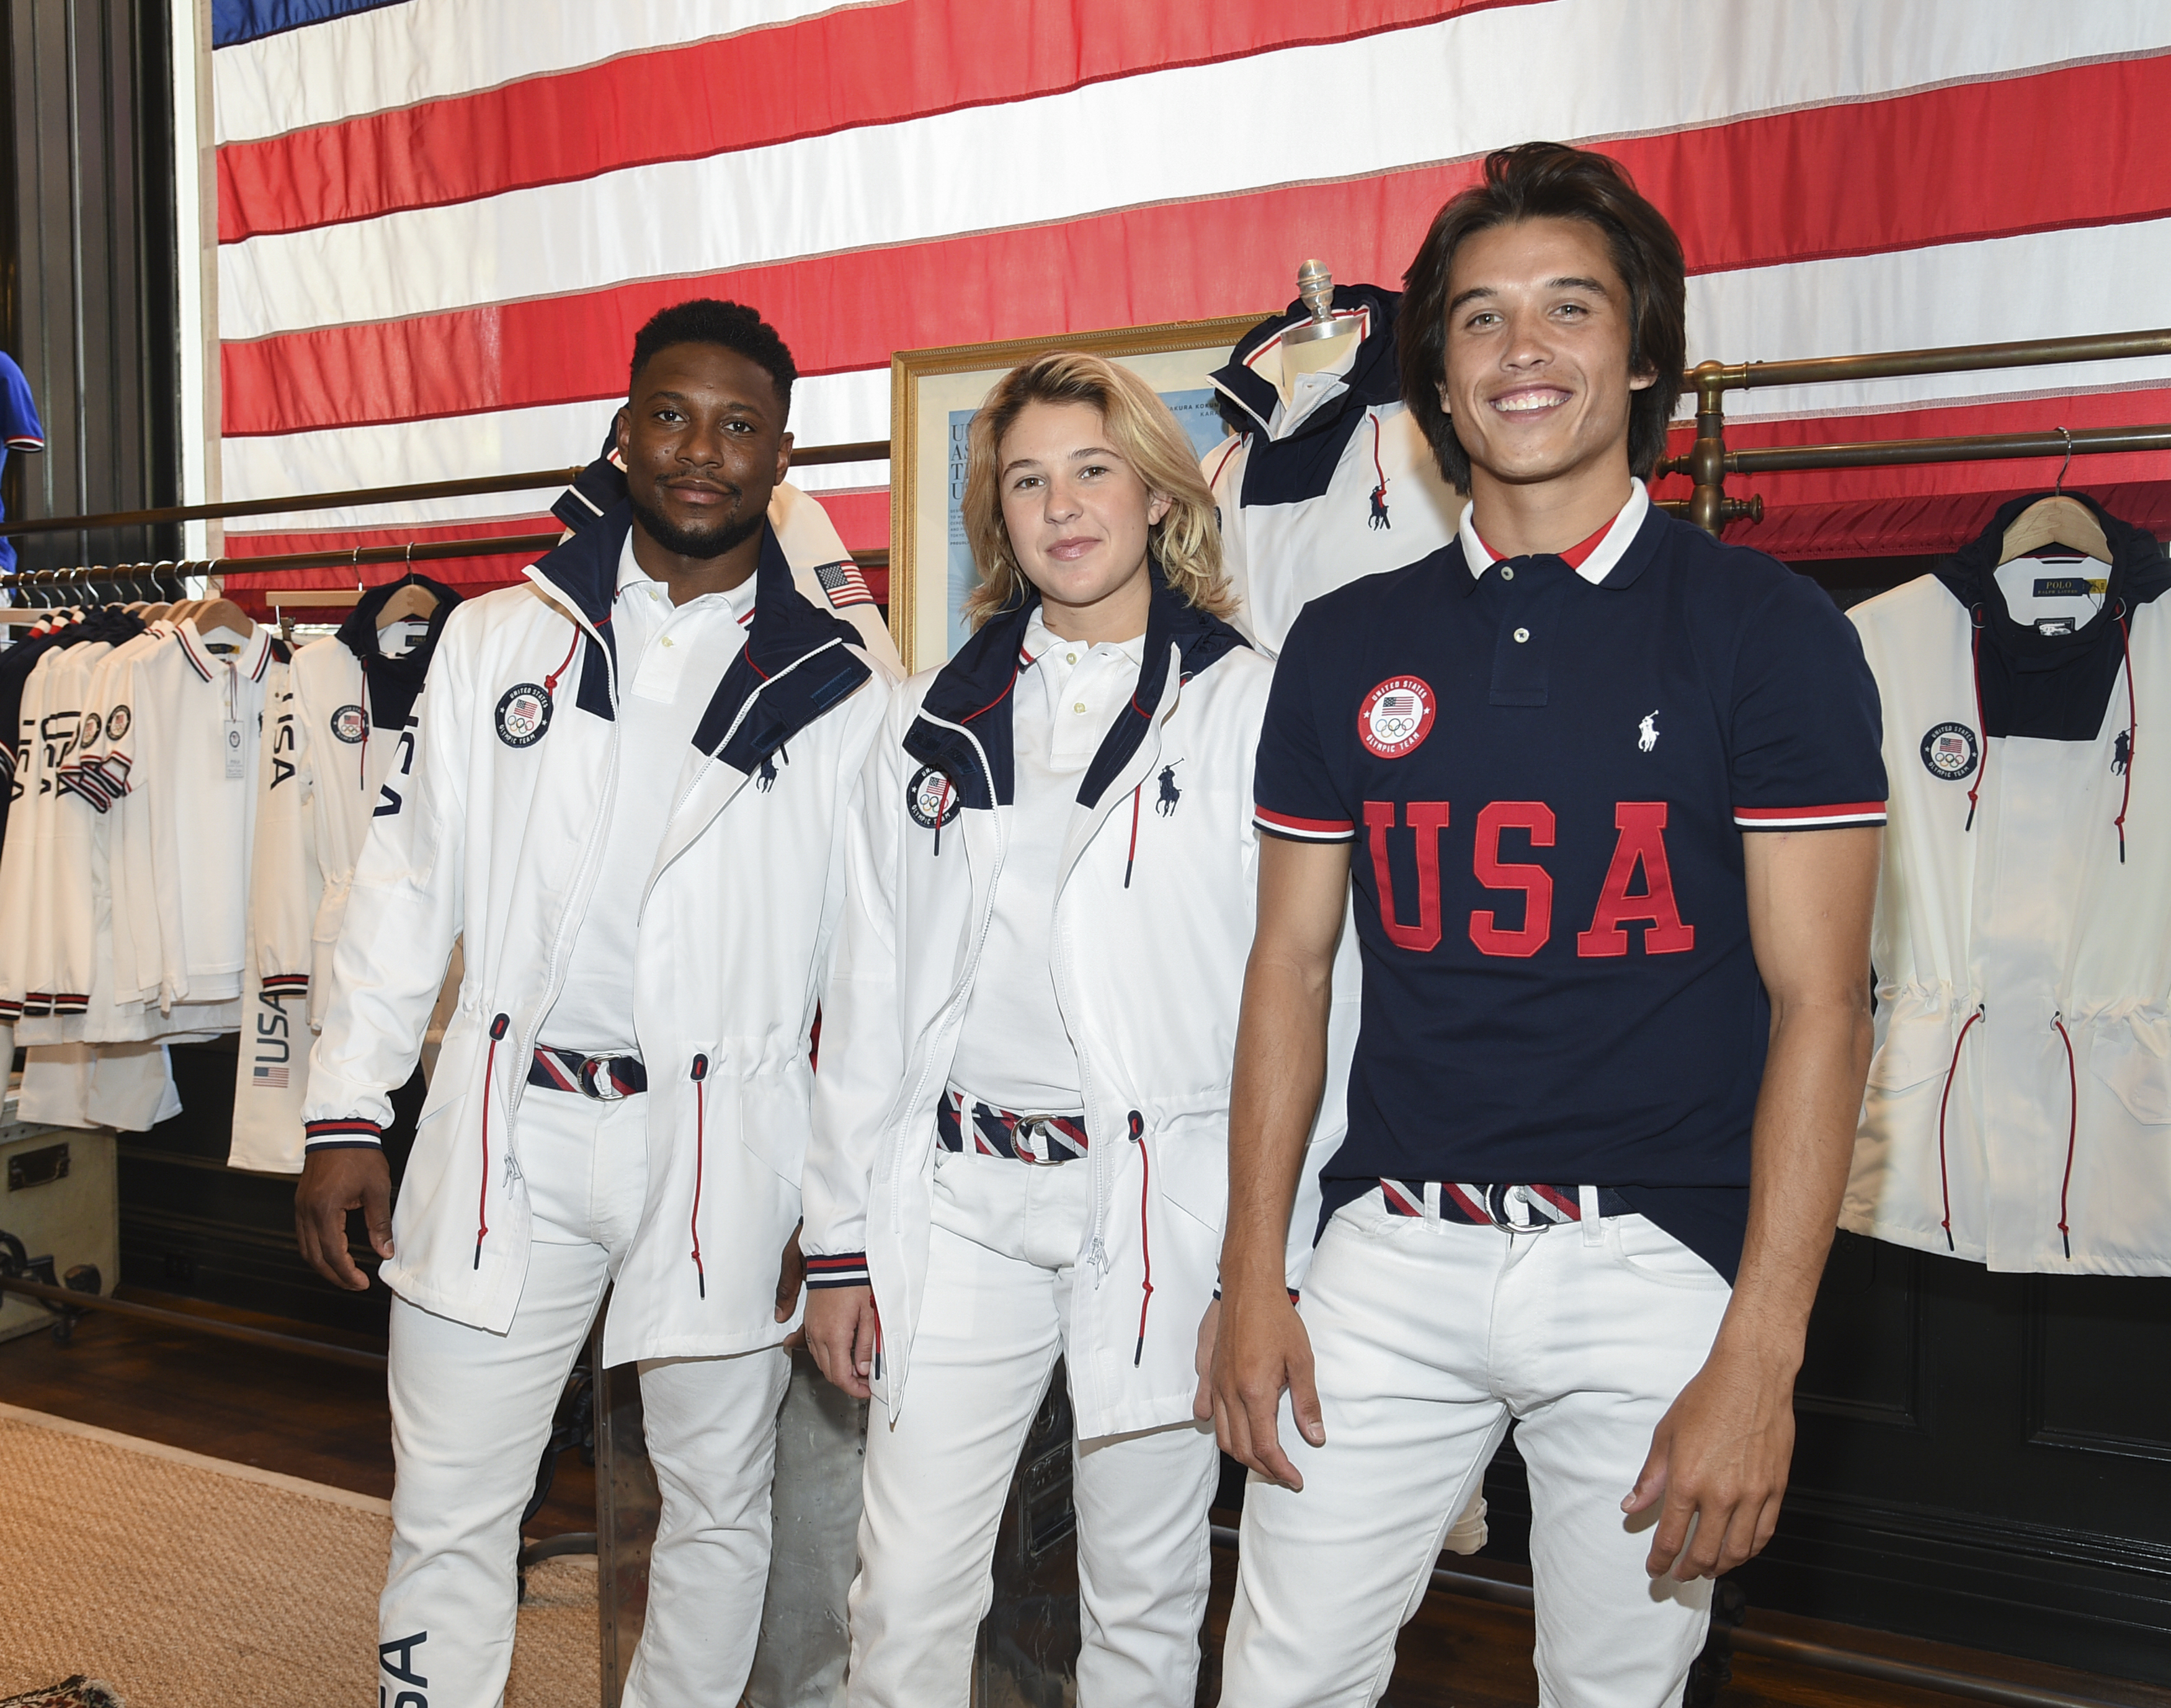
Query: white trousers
x=999 y=1274
x=470 y=1414
x=1428 y=1336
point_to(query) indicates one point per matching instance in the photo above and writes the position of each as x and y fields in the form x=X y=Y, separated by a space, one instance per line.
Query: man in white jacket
x=622 y=790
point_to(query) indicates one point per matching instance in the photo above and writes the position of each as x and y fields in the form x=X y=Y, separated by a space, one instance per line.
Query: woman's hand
x=842 y=1328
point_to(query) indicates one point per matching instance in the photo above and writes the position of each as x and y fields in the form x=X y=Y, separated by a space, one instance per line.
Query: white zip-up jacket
x=1153 y=922
x=491 y=827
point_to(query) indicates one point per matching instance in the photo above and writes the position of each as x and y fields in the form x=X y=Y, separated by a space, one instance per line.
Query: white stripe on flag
x=1401 y=98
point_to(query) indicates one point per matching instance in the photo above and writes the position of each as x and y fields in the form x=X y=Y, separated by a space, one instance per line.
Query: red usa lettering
x=1639 y=847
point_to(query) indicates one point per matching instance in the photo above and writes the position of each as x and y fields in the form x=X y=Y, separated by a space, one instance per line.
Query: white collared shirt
x=670 y=659
x=1014 y=1050
x=1594 y=569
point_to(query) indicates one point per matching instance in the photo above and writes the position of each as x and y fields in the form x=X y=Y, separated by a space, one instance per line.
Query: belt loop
x=1432 y=1192
x=1587 y=1199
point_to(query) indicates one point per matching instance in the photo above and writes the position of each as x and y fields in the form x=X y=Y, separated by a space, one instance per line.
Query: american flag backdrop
x=440 y=221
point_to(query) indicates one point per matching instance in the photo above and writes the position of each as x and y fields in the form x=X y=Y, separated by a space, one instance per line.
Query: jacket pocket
x=2131 y=1054
x=1918 y=1044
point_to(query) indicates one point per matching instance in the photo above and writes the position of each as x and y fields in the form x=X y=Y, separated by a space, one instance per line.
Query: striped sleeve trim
x=1285 y=824
x=1847 y=816
x=352 y=1134
x=23 y=441
x=838 y=1269
x=280 y=982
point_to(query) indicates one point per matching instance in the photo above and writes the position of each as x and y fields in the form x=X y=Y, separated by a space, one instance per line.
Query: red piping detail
x=1379 y=492
x=700 y=1143
x=551 y=682
x=1130 y=858
x=2072 y=1128
x=1982 y=735
x=1145 y=1237
x=1235 y=446
x=941 y=809
x=2125 y=635
x=489 y=1078
x=1944 y=1185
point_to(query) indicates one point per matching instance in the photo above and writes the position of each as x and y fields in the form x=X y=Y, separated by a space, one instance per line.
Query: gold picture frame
x=933 y=392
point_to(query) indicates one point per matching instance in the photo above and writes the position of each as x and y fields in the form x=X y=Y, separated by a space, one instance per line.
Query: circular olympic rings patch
x=523 y=714
x=1396 y=716
x=931 y=799
x=347 y=724
x=1950 y=752
x=117 y=722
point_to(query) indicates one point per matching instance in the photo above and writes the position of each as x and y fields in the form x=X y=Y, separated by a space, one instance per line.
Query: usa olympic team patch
x=523 y=714
x=1950 y=752
x=931 y=799
x=88 y=732
x=349 y=725
x=1396 y=716
x=117 y=722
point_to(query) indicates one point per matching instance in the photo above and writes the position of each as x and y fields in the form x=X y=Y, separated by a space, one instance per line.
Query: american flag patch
x=844 y=584
x=1398 y=705
x=272 y=1078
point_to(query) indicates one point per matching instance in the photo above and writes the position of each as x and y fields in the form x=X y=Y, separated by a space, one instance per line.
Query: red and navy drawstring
x=551 y=682
x=941 y=807
x=700 y=1143
x=2073 y=1130
x=1945 y=1183
x=1982 y=729
x=1145 y=1237
x=489 y=1080
x=2132 y=728
x=1131 y=858
x=361 y=766
x=1378 y=517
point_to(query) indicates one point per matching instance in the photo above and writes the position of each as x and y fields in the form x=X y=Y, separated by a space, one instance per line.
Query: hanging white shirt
x=670 y=659
x=1014 y=1050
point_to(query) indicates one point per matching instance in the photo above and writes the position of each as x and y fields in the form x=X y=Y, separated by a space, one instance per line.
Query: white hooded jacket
x=1153 y=922
x=491 y=827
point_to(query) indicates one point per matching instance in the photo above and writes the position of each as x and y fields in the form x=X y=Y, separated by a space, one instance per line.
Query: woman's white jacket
x=1155 y=904
x=490 y=829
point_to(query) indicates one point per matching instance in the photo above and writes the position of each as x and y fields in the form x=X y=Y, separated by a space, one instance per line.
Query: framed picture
x=934 y=395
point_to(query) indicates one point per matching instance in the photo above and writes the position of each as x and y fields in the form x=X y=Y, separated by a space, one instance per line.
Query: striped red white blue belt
x=1517 y=1207
x=607 y=1078
x=1034 y=1138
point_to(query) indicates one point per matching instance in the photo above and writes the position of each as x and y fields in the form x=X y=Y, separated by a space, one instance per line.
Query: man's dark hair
x=1551 y=180
x=729 y=325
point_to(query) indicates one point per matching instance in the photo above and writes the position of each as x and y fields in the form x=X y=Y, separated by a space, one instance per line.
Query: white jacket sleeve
x=863 y=1044
x=284 y=882
x=403 y=912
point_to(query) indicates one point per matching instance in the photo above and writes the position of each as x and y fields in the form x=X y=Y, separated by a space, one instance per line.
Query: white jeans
x=1000 y=1273
x=1428 y=1336
x=471 y=1411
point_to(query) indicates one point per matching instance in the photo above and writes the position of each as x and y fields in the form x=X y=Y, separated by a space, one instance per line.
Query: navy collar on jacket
x=1290 y=470
x=393 y=683
x=977 y=683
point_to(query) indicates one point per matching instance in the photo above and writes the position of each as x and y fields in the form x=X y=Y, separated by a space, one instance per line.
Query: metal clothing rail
x=1707 y=462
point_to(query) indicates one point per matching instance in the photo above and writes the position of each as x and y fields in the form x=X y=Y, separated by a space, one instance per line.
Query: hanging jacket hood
x=2052 y=687
x=393 y=683
x=981 y=676
x=1298 y=467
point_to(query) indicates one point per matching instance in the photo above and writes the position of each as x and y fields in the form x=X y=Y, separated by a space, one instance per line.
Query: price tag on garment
x=232 y=737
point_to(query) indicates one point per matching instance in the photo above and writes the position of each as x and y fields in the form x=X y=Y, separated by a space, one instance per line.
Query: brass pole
x=1707 y=458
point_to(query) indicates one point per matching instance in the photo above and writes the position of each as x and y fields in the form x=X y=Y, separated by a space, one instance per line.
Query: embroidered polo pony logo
x=2121 y=752
x=1169 y=793
x=1646 y=734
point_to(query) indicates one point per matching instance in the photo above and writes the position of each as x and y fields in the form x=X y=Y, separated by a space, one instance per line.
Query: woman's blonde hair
x=1187 y=540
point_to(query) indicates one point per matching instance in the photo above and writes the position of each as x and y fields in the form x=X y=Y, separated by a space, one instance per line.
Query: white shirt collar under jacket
x=1594 y=569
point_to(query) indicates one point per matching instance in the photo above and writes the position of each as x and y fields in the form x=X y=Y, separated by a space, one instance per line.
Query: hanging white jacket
x=492 y=827
x=2018 y=1108
x=1152 y=923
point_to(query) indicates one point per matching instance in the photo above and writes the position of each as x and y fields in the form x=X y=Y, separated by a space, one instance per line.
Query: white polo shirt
x=670 y=659
x=1014 y=1050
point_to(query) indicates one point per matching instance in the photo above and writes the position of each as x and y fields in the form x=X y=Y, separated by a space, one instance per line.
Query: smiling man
x=1609 y=793
x=621 y=791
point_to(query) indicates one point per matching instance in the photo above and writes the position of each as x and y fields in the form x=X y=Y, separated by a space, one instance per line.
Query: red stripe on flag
x=865 y=66
x=1788 y=187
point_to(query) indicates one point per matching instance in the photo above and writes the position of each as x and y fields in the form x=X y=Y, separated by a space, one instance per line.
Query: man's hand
x=842 y=1328
x=1719 y=1457
x=1262 y=1348
x=332 y=1183
x=790 y=1275
x=1209 y=1328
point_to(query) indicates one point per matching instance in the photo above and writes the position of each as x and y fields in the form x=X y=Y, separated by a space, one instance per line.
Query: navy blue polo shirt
x=1547 y=782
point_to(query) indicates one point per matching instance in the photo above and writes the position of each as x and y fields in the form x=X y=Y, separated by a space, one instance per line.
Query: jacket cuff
x=353 y=1133
x=838 y=1269
x=283 y=983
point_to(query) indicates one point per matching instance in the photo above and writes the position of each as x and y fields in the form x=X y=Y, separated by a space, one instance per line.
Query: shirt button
x=1521 y=635
x=1507 y=574
x=1070 y=658
x=1080 y=707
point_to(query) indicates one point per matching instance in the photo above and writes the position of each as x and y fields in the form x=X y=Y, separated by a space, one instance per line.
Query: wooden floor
x=329 y=1422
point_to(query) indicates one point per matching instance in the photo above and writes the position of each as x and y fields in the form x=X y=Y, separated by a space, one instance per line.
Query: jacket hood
x=1291 y=469
x=393 y=683
x=980 y=679
x=2139 y=571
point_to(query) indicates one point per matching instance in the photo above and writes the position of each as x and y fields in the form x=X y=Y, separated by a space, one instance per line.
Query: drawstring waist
x=606 y=1079
x=2072 y=1129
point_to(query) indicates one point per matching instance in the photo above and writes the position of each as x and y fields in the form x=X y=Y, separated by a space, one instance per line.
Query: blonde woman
x=1020 y=1136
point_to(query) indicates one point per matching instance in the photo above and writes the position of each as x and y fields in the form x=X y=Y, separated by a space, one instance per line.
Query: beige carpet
x=189 y=1583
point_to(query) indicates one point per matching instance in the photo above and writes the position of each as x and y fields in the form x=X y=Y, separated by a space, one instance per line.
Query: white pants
x=1428 y=1336
x=470 y=1414
x=1000 y=1273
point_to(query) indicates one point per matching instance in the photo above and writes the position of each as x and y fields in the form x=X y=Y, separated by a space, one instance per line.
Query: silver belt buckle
x=596 y=1081
x=1026 y=1125
x=1496 y=1200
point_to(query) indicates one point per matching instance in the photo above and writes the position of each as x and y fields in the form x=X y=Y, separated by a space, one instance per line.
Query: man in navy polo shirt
x=1609 y=793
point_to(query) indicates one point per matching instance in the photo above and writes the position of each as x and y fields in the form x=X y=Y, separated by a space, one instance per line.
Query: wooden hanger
x=222 y=612
x=2057 y=520
x=413 y=600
